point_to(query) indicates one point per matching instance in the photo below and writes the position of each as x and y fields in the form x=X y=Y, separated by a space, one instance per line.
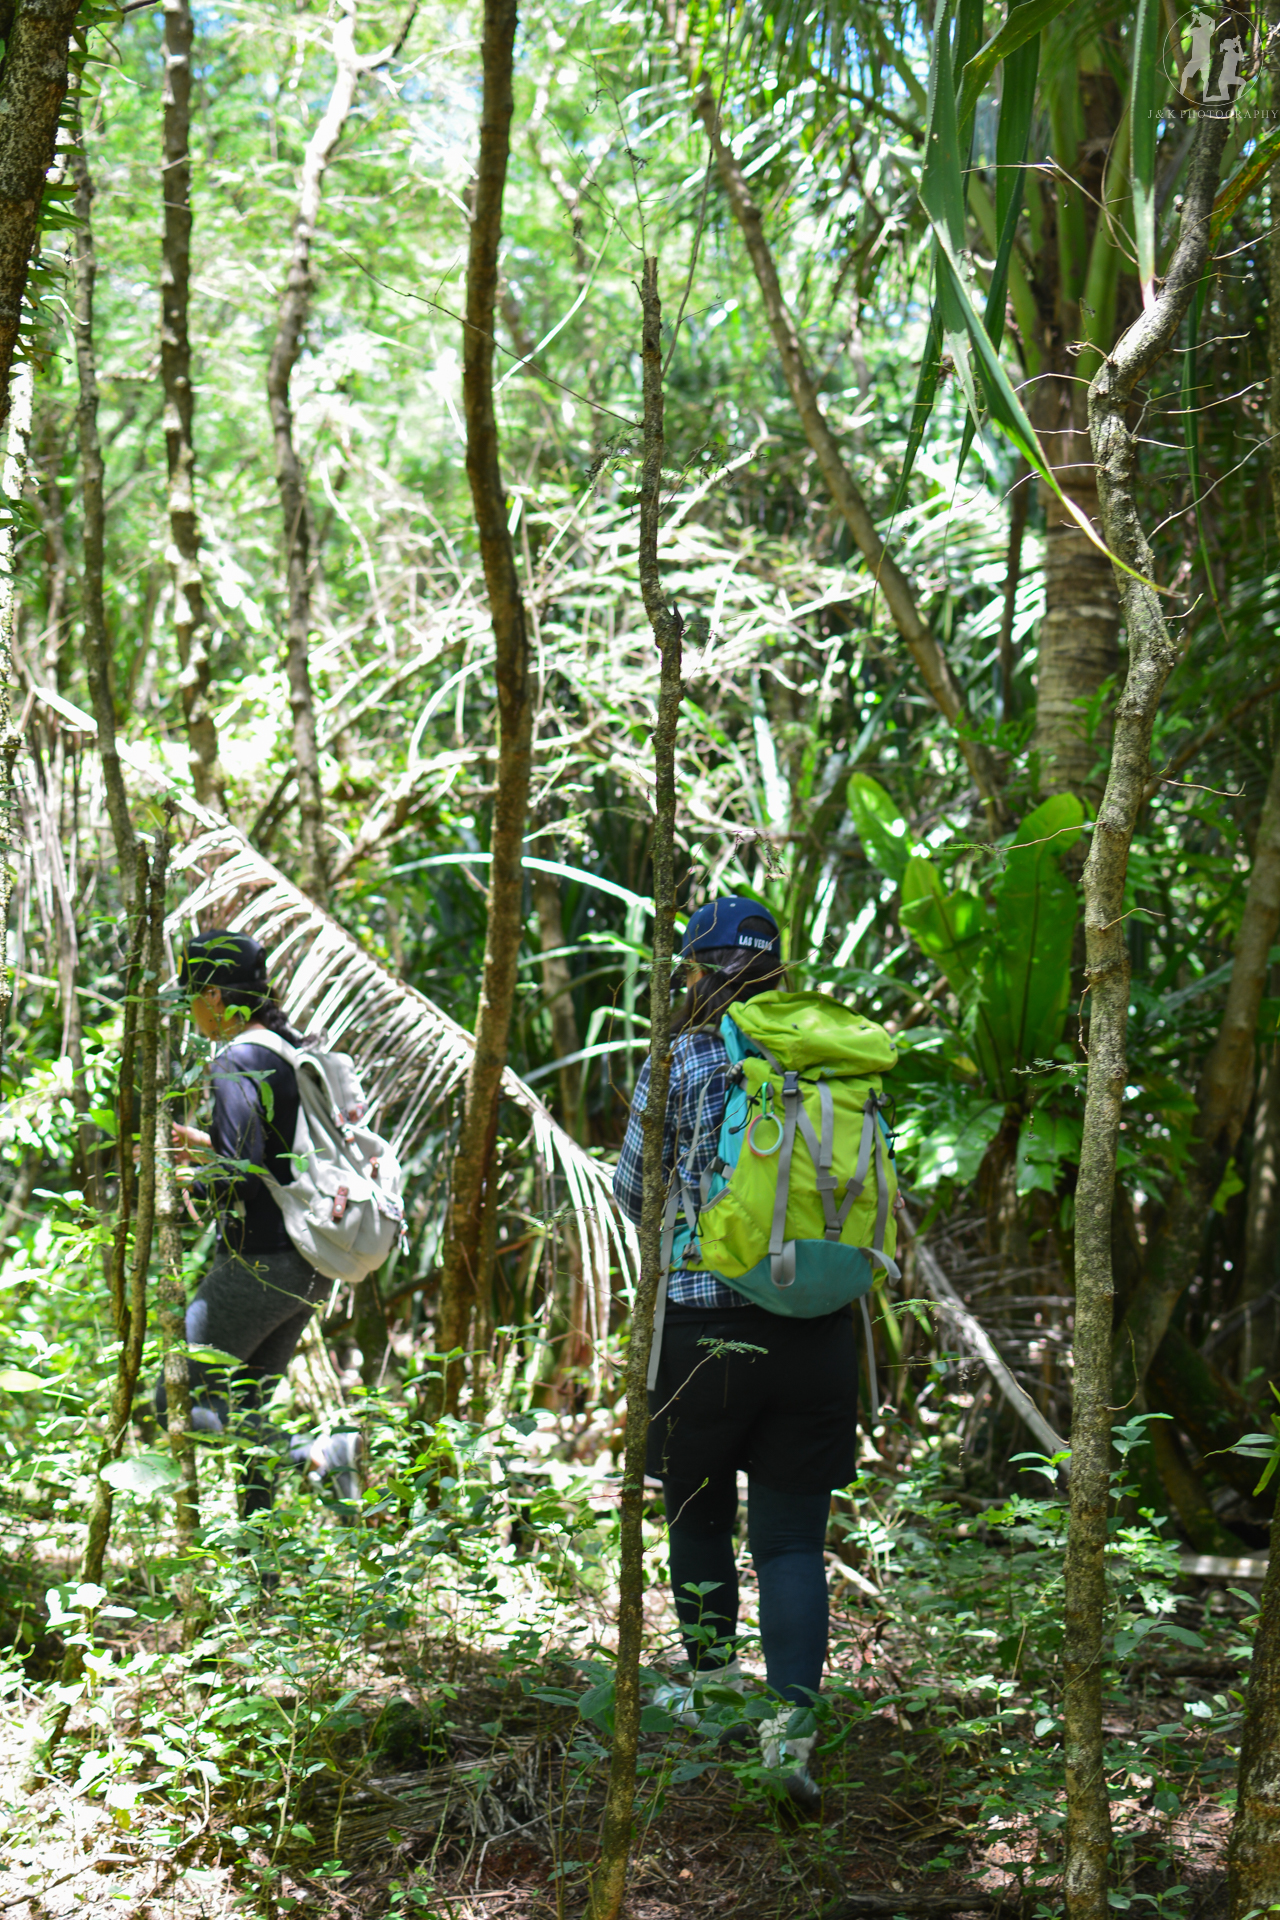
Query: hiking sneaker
x=682 y=1699
x=790 y=1759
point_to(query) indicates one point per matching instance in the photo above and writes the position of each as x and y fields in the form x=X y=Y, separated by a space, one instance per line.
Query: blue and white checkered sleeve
x=628 y=1175
x=699 y=1076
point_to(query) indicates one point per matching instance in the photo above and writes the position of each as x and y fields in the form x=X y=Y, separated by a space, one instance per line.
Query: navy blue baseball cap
x=718 y=925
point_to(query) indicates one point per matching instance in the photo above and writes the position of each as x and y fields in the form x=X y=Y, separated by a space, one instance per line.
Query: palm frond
x=412 y=1057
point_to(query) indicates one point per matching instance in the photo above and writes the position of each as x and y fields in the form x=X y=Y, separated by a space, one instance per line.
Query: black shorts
x=787 y=1416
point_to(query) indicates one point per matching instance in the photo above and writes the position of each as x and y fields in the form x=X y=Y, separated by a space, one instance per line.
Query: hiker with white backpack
x=779 y=1208
x=304 y=1195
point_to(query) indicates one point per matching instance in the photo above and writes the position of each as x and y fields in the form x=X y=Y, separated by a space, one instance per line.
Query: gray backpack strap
x=876 y=1249
x=872 y=1383
x=782 y=1258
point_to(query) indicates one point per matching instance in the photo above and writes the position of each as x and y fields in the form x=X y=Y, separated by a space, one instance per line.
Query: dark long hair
x=238 y=966
x=730 y=974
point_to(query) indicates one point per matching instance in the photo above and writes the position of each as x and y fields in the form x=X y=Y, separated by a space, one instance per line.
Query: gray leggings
x=254 y=1306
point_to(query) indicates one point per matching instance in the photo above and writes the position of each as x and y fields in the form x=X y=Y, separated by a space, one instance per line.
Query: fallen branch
x=980 y=1343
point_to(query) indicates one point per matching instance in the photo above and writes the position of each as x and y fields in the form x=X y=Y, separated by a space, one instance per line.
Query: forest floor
x=495 y=1812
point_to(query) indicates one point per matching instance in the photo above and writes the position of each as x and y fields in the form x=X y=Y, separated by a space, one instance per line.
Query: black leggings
x=255 y=1306
x=786 y=1533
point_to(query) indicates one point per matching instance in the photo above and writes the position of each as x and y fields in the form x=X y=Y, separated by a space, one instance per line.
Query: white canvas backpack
x=344 y=1210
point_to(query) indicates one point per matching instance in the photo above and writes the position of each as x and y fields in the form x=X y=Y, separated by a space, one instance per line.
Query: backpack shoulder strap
x=272 y=1042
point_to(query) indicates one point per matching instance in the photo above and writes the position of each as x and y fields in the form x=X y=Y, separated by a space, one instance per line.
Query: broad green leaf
x=1142 y=140
x=1022 y=23
x=954 y=929
x=879 y=825
x=18 y=1380
x=146 y=1474
x=1035 y=909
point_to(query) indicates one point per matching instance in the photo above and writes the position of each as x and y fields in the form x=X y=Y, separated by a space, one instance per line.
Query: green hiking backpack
x=798 y=1232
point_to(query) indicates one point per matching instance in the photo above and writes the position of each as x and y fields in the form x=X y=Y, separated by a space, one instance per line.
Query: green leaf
x=1229 y=1185
x=144 y=1475
x=1028 y=985
x=1022 y=24
x=922 y=407
x=1142 y=140
x=879 y=825
x=17 y=1380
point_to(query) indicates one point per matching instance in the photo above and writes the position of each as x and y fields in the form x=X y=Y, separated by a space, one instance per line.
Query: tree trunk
x=144 y=975
x=1222 y=1104
x=33 y=83
x=609 y=1886
x=171 y=1311
x=1253 y=1857
x=24 y=1185
x=190 y=617
x=920 y=643
x=472 y=1168
x=1078 y=643
x=14 y=475
x=97 y=644
x=295 y=309
x=1262 y=1220
x=1152 y=657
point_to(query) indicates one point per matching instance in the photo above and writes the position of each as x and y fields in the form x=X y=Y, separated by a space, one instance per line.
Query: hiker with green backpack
x=779 y=1208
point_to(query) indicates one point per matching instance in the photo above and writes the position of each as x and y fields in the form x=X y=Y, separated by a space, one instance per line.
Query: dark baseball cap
x=719 y=925
x=222 y=959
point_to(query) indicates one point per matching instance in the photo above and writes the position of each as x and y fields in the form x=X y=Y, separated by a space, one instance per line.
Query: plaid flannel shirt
x=698 y=1060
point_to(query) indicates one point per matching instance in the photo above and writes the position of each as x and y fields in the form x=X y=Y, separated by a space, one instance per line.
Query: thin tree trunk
x=33 y=83
x=96 y=640
x=609 y=1887
x=1253 y=1857
x=147 y=959
x=1262 y=1217
x=295 y=309
x=190 y=617
x=1223 y=1098
x=24 y=1185
x=920 y=643
x=472 y=1168
x=171 y=1311
x=1152 y=657
x=11 y=483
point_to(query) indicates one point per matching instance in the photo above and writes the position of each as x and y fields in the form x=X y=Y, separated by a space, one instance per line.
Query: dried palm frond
x=412 y=1057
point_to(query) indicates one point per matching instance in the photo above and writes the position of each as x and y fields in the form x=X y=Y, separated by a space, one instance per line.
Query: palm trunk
x=295 y=309
x=462 y=1260
x=33 y=84
x=1262 y=1219
x=97 y=643
x=1078 y=648
x=1152 y=657
x=920 y=643
x=190 y=618
x=609 y=1886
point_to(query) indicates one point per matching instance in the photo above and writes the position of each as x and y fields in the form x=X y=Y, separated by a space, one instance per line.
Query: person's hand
x=187 y=1142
